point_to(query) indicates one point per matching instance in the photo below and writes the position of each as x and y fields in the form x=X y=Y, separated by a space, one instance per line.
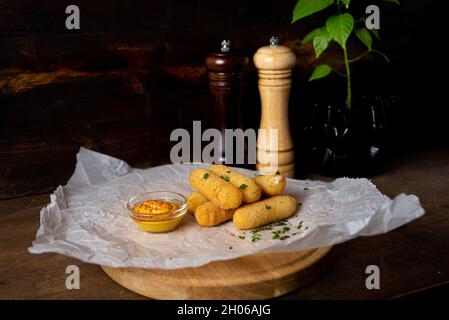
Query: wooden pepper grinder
x=226 y=70
x=275 y=63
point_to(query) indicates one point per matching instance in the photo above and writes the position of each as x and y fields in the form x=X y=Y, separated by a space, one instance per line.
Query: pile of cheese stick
x=223 y=194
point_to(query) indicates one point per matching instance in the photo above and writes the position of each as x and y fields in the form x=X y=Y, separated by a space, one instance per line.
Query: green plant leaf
x=309 y=37
x=340 y=27
x=394 y=1
x=304 y=8
x=346 y=2
x=375 y=32
x=321 y=71
x=364 y=36
x=321 y=41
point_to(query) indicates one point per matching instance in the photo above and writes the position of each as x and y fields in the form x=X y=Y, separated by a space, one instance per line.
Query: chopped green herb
x=232 y=234
x=307 y=227
x=306 y=189
x=262 y=228
x=278 y=234
x=243 y=186
x=300 y=224
x=255 y=237
x=285 y=229
x=267 y=206
x=206 y=175
x=242 y=237
x=280 y=223
x=229 y=171
x=225 y=178
x=294 y=233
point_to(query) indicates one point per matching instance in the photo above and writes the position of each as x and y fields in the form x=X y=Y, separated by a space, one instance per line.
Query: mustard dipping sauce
x=157 y=215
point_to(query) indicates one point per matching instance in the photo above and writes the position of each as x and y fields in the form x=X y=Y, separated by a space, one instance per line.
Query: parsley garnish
x=280 y=223
x=267 y=206
x=225 y=178
x=280 y=234
x=206 y=175
x=262 y=228
x=255 y=237
x=276 y=234
x=243 y=186
x=306 y=189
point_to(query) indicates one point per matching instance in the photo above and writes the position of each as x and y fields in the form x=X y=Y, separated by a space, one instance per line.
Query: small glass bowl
x=161 y=222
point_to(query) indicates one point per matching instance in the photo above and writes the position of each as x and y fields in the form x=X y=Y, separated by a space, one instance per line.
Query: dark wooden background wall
x=134 y=72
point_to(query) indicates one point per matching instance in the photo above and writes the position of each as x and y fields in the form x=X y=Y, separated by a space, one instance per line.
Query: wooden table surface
x=412 y=258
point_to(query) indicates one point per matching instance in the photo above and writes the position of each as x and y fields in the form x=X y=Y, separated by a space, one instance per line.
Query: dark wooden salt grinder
x=226 y=72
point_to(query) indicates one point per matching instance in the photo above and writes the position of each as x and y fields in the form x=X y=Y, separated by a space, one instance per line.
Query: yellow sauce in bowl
x=157 y=215
x=155 y=207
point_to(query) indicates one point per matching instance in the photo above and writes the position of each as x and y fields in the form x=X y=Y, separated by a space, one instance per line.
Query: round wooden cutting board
x=260 y=276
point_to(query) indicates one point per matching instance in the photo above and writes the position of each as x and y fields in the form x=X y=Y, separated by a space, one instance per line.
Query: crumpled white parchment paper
x=87 y=219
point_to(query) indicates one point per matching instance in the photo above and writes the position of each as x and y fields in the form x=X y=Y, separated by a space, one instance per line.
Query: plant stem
x=348 y=77
x=382 y=54
x=360 y=56
x=367 y=52
x=338 y=4
x=339 y=73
